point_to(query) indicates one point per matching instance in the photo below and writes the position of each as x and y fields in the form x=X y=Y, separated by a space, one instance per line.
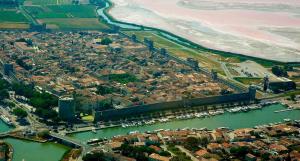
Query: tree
x=3 y=94
x=239 y=151
x=288 y=68
x=203 y=141
x=106 y=41
x=293 y=97
x=191 y=144
x=279 y=71
x=20 y=112
x=43 y=134
x=105 y=104
x=97 y=156
x=103 y=90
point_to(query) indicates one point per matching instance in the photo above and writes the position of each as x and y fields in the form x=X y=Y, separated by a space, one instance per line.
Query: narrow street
x=187 y=153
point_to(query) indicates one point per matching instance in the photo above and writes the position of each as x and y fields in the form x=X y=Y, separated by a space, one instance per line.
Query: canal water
x=33 y=151
x=4 y=127
x=109 y=21
x=231 y=120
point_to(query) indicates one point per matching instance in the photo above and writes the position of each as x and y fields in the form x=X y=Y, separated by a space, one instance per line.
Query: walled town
x=100 y=66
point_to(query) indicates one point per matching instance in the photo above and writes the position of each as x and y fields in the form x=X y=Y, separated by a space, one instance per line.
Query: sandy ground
x=252 y=68
x=261 y=28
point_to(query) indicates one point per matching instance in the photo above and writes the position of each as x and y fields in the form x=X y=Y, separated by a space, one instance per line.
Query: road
x=187 y=153
x=28 y=16
x=225 y=69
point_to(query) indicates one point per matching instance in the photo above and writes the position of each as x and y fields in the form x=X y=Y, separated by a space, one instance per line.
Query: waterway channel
x=4 y=127
x=231 y=120
x=32 y=151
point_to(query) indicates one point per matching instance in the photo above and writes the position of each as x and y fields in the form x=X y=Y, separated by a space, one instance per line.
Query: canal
x=231 y=120
x=33 y=151
x=4 y=127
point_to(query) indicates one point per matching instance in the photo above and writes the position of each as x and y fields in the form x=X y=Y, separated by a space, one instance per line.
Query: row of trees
x=138 y=152
x=122 y=78
x=42 y=101
x=281 y=71
x=3 y=89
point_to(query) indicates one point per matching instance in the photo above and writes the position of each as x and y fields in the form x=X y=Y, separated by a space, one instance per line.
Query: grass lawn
x=12 y=15
x=74 y=23
x=88 y=118
x=62 y=11
x=249 y=80
x=178 y=50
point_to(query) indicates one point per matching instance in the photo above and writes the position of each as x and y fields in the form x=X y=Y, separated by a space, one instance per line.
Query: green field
x=67 y=16
x=177 y=49
x=47 y=2
x=11 y=15
x=74 y=23
x=249 y=80
x=62 y=11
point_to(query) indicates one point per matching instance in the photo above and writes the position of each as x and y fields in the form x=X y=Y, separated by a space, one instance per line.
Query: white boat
x=6 y=120
x=91 y=141
x=94 y=130
x=133 y=132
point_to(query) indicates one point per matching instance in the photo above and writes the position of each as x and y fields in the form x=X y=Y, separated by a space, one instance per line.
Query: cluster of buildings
x=274 y=142
x=278 y=84
x=75 y=63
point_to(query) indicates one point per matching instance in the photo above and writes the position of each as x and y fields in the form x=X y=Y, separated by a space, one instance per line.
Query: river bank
x=267 y=115
x=232 y=120
x=33 y=151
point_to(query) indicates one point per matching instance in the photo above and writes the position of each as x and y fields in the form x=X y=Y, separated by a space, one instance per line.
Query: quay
x=284 y=110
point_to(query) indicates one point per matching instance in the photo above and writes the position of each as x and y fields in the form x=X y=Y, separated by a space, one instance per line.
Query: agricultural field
x=179 y=50
x=47 y=2
x=62 y=11
x=7 y=25
x=67 y=16
x=249 y=80
x=12 y=18
x=11 y=15
x=74 y=23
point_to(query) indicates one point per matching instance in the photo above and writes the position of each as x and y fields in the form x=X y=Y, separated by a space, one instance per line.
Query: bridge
x=65 y=140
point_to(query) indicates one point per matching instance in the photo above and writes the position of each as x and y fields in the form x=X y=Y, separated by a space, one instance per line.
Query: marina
x=231 y=120
x=284 y=110
x=6 y=120
x=4 y=127
x=209 y=113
